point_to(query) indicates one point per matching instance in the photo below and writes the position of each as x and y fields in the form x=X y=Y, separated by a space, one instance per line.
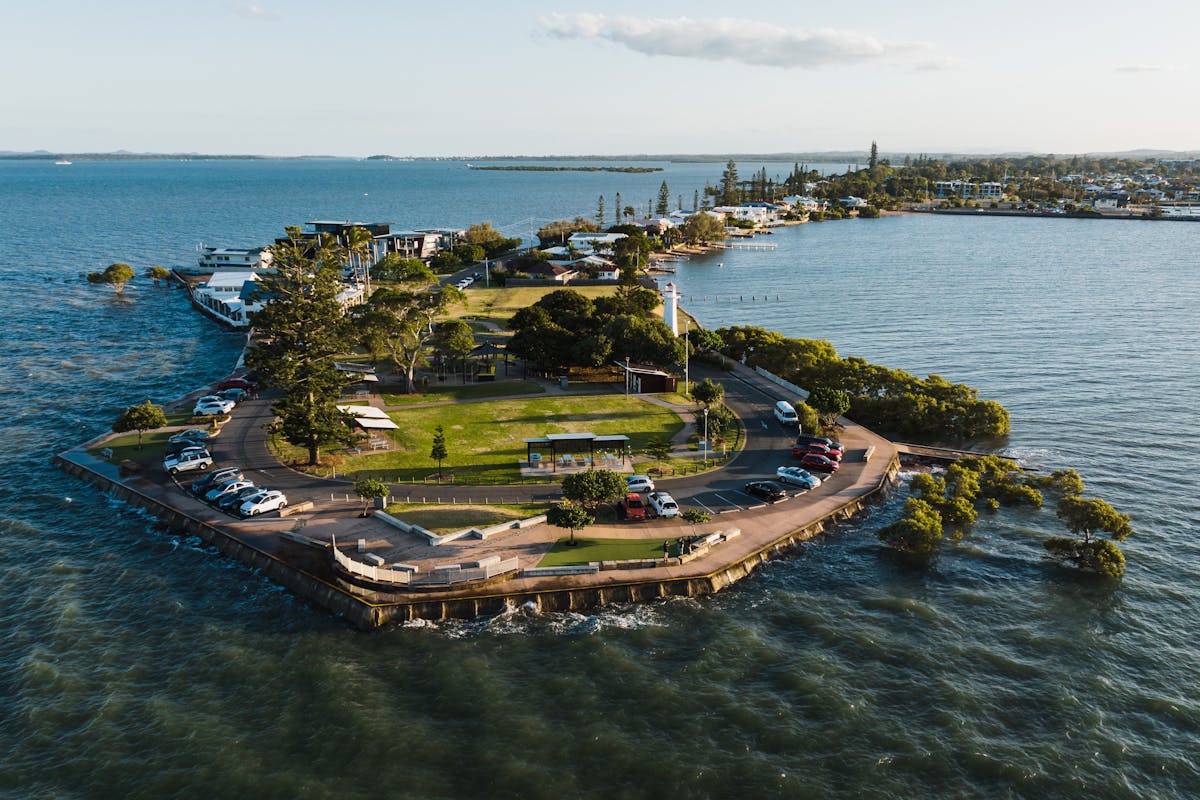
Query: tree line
x=891 y=401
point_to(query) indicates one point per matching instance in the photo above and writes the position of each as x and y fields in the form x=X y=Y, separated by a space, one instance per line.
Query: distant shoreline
x=541 y=168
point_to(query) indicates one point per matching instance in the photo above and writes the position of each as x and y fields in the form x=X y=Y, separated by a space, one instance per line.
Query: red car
x=634 y=507
x=801 y=450
x=238 y=383
x=819 y=463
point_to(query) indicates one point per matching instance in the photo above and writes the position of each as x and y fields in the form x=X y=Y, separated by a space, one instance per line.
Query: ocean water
x=135 y=663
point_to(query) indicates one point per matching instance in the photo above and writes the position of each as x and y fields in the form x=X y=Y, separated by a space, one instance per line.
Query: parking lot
x=723 y=501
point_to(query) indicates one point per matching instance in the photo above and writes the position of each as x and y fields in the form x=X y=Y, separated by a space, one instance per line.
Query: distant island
x=547 y=168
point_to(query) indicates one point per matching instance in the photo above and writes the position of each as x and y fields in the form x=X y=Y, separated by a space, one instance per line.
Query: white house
x=589 y=241
x=235 y=259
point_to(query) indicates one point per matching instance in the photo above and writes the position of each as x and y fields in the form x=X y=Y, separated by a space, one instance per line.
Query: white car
x=212 y=406
x=213 y=495
x=263 y=502
x=797 y=477
x=188 y=460
x=639 y=483
x=663 y=504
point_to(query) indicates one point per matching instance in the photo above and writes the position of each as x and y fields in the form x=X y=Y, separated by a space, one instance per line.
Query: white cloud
x=1140 y=68
x=744 y=41
x=251 y=11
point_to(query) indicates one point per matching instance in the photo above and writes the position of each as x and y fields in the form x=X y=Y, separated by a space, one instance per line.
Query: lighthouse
x=670 y=307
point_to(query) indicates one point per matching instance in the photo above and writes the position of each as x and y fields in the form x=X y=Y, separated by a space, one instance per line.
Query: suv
x=639 y=483
x=187 y=461
x=633 y=506
x=663 y=504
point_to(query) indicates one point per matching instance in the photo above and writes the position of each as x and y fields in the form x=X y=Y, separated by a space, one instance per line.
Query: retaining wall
x=368 y=609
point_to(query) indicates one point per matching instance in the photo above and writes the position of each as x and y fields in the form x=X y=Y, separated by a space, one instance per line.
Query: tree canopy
x=888 y=400
x=566 y=329
x=300 y=330
x=114 y=275
x=570 y=516
x=145 y=416
x=594 y=486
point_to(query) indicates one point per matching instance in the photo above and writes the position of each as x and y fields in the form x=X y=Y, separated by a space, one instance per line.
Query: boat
x=62 y=163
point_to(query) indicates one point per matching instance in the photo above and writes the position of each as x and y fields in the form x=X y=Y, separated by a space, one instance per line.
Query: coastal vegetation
x=369 y=489
x=116 y=275
x=890 y=401
x=949 y=505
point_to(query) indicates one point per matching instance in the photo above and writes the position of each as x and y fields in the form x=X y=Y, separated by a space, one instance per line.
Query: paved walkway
x=244 y=441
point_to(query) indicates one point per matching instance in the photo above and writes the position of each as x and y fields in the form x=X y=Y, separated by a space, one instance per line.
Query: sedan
x=767 y=490
x=215 y=494
x=235 y=499
x=797 y=477
x=262 y=503
x=195 y=435
x=215 y=477
x=236 y=395
x=238 y=383
x=819 y=463
x=800 y=450
x=639 y=483
x=213 y=407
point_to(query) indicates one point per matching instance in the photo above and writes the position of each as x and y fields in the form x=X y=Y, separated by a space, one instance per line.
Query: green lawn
x=468 y=391
x=587 y=550
x=485 y=440
x=448 y=519
x=125 y=446
x=499 y=304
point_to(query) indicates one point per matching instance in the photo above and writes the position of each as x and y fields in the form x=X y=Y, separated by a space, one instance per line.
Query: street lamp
x=706 y=436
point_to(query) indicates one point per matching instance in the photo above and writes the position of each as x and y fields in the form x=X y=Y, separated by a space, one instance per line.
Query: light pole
x=706 y=436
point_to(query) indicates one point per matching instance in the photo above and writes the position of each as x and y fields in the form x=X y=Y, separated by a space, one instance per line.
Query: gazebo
x=486 y=352
x=570 y=443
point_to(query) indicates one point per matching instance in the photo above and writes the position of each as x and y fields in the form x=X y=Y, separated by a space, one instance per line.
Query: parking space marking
x=730 y=502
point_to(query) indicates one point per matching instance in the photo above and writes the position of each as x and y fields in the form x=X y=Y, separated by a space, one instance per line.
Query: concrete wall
x=367 y=608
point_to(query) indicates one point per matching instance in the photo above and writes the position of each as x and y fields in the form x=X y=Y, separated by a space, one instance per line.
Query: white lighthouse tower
x=671 y=307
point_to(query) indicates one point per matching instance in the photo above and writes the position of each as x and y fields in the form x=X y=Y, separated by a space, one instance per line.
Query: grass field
x=485 y=440
x=469 y=391
x=125 y=446
x=448 y=519
x=499 y=304
x=587 y=550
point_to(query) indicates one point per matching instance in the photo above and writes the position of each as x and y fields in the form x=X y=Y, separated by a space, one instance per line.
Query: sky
x=526 y=77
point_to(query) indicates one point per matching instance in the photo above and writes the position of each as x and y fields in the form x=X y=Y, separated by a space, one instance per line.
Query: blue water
x=138 y=664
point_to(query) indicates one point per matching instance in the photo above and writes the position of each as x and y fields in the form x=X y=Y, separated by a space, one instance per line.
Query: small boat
x=62 y=163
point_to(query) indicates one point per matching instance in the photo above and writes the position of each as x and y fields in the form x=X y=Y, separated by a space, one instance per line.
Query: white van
x=785 y=413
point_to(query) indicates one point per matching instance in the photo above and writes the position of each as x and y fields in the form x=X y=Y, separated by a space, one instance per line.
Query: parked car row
x=229 y=490
x=658 y=504
x=467 y=281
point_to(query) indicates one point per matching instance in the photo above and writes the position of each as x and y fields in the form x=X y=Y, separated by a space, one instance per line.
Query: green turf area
x=448 y=519
x=469 y=391
x=485 y=440
x=499 y=304
x=588 y=550
x=678 y=398
x=125 y=446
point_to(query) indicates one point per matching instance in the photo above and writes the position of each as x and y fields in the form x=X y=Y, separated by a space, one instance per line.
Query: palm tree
x=358 y=247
